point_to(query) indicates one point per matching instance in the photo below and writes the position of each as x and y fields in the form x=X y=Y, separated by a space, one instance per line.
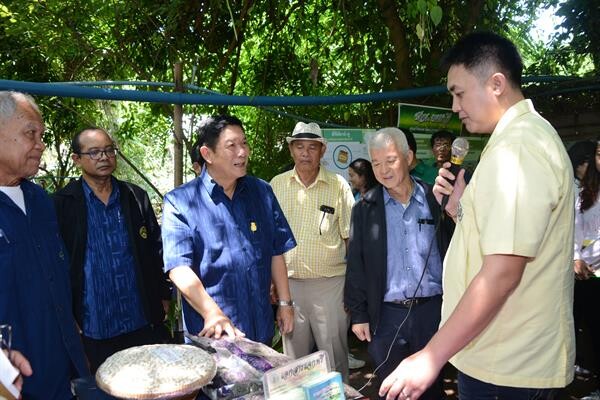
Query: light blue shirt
x=410 y=232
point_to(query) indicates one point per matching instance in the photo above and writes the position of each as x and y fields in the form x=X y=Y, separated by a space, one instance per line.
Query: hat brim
x=290 y=139
x=305 y=136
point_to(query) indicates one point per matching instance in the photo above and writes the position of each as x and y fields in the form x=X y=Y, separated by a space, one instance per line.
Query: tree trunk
x=391 y=19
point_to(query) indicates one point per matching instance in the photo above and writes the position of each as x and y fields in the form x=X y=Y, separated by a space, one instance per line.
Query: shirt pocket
x=327 y=228
x=425 y=236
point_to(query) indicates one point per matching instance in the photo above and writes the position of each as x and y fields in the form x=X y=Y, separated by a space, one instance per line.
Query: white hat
x=310 y=131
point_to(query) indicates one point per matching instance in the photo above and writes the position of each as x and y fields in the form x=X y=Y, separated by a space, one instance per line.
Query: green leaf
x=436 y=14
x=4 y=11
x=420 y=32
x=422 y=6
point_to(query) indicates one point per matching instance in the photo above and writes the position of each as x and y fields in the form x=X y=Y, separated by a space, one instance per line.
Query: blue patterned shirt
x=111 y=296
x=410 y=232
x=229 y=244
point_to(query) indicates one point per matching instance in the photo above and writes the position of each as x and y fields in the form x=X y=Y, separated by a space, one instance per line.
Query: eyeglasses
x=442 y=145
x=96 y=154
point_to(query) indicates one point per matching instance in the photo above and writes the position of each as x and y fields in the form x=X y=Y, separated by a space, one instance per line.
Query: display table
x=241 y=365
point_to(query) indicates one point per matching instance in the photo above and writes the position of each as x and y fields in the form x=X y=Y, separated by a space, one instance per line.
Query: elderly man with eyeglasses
x=120 y=293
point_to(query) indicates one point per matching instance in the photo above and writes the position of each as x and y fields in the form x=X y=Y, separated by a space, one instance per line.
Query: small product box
x=326 y=387
x=287 y=382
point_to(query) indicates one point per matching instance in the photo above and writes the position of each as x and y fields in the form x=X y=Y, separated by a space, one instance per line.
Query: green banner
x=343 y=135
x=425 y=119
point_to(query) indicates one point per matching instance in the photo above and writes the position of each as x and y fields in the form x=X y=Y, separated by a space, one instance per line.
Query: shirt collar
x=418 y=194
x=89 y=193
x=522 y=107
x=212 y=187
x=321 y=177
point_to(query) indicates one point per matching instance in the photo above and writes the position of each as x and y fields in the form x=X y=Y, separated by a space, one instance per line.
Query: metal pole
x=178 y=173
x=178 y=128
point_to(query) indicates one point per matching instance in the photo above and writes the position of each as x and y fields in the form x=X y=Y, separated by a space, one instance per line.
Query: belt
x=415 y=301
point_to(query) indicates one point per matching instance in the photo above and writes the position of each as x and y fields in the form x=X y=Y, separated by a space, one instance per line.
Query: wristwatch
x=286 y=303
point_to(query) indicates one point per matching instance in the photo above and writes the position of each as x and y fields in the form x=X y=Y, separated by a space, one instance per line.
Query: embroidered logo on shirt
x=253 y=227
x=144 y=232
x=3 y=236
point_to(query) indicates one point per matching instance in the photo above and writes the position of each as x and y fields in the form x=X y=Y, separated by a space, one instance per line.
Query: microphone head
x=460 y=148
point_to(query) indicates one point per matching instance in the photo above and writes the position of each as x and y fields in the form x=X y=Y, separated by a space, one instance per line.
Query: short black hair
x=581 y=152
x=363 y=168
x=412 y=142
x=478 y=50
x=210 y=131
x=442 y=134
x=76 y=142
x=195 y=153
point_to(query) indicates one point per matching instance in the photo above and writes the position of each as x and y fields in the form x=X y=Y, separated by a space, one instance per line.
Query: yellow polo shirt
x=519 y=201
x=321 y=250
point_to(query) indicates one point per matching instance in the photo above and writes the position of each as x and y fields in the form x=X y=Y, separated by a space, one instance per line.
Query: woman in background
x=587 y=258
x=581 y=155
x=361 y=176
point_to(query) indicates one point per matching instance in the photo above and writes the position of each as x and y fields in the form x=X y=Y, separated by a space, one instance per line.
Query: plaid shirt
x=321 y=251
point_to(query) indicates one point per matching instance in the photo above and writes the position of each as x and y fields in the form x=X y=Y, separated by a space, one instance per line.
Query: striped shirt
x=320 y=219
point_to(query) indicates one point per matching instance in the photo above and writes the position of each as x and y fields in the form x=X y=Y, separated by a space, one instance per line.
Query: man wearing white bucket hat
x=317 y=204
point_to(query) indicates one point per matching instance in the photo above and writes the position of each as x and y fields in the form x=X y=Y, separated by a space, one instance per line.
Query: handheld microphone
x=460 y=148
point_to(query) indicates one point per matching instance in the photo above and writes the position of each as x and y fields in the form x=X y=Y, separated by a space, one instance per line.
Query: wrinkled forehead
x=306 y=143
x=95 y=138
x=230 y=133
x=25 y=115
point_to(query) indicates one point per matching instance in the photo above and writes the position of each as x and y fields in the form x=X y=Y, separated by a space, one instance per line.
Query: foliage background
x=270 y=47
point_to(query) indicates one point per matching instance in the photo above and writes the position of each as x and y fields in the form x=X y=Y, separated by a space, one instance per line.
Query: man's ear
x=76 y=159
x=206 y=153
x=498 y=83
x=323 y=149
x=410 y=157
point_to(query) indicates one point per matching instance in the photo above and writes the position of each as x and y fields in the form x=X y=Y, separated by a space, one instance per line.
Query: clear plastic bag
x=241 y=364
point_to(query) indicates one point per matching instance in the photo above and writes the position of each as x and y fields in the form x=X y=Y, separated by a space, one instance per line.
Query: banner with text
x=426 y=119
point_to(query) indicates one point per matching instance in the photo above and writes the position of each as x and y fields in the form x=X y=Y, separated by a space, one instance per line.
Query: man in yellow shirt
x=317 y=204
x=507 y=320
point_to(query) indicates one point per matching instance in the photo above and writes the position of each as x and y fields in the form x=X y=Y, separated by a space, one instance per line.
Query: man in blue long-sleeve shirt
x=35 y=296
x=394 y=274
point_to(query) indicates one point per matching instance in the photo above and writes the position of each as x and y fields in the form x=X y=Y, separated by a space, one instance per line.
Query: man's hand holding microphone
x=450 y=183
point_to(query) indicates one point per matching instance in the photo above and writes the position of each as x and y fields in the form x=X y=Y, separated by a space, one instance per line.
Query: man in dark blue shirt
x=224 y=236
x=115 y=250
x=35 y=296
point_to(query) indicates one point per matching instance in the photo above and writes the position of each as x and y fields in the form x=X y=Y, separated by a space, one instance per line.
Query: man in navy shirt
x=119 y=289
x=35 y=296
x=224 y=236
